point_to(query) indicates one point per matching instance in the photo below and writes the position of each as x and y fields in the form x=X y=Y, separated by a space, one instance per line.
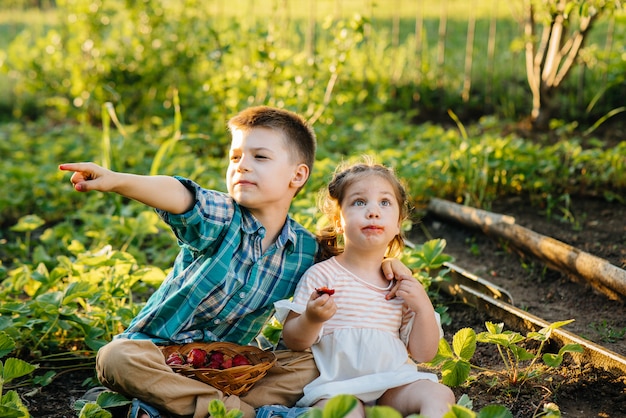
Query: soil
x=595 y=227
x=580 y=391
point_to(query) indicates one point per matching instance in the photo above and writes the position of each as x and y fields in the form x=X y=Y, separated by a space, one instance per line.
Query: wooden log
x=575 y=263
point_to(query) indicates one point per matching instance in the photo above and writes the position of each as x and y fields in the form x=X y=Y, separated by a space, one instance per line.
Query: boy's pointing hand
x=87 y=176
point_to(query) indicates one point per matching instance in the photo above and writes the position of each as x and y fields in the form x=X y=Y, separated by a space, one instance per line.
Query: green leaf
x=7 y=344
x=93 y=410
x=381 y=411
x=465 y=401
x=548 y=330
x=28 y=223
x=217 y=409
x=313 y=413
x=339 y=406
x=455 y=372
x=9 y=412
x=555 y=360
x=108 y=399
x=11 y=406
x=14 y=368
x=521 y=353
x=495 y=411
x=458 y=411
x=432 y=253
x=46 y=379
x=494 y=328
x=444 y=352
x=552 y=360
x=464 y=343
x=234 y=413
x=571 y=348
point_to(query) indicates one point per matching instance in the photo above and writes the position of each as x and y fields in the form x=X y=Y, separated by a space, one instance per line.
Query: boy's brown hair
x=298 y=134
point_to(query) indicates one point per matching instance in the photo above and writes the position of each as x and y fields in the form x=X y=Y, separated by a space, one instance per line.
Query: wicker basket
x=234 y=380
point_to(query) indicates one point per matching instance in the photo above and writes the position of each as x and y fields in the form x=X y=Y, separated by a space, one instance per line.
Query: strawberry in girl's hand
x=196 y=357
x=325 y=290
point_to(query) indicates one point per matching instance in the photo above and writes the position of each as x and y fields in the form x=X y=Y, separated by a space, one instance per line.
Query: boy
x=240 y=252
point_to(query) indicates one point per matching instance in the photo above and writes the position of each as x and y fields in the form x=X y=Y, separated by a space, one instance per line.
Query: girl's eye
x=261 y=157
x=235 y=158
x=386 y=203
x=359 y=202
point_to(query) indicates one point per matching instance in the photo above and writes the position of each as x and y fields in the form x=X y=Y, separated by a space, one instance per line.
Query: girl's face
x=370 y=213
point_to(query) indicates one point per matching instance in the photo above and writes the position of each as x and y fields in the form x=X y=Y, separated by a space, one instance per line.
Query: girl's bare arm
x=424 y=336
x=301 y=331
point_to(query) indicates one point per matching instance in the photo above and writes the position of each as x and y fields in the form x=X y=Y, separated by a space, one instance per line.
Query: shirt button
x=216 y=321
x=242 y=295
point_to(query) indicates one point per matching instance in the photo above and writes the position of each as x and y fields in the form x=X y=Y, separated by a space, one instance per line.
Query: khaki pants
x=137 y=369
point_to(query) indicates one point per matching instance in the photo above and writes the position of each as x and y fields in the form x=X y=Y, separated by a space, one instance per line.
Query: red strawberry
x=240 y=360
x=175 y=359
x=227 y=363
x=213 y=365
x=196 y=357
x=216 y=356
x=324 y=289
x=215 y=359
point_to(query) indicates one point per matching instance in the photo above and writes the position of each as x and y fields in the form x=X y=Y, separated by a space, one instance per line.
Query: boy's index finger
x=70 y=166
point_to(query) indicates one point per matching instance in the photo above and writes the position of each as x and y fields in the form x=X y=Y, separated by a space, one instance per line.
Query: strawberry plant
x=11 y=405
x=519 y=364
x=341 y=405
x=217 y=409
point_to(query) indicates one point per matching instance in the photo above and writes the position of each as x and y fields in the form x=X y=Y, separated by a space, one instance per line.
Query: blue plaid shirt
x=222 y=286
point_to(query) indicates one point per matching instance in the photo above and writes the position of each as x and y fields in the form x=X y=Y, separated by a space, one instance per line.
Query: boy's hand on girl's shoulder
x=87 y=176
x=411 y=291
x=394 y=270
x=397 y=284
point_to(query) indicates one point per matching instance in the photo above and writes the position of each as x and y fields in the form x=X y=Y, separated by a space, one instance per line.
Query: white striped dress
x=361 y=350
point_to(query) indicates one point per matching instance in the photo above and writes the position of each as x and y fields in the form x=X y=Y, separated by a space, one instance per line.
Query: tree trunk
x=550 y=57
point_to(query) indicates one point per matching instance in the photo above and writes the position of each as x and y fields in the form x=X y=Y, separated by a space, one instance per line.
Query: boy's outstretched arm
x=160 y=192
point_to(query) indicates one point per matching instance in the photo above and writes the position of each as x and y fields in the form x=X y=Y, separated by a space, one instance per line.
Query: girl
x=363 y=338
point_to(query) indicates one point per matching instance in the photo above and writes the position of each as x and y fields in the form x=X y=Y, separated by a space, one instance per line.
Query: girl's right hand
x=320 y=308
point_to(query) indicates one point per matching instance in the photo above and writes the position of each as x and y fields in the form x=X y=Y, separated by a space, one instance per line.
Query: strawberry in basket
x=175 y=359
x=240 y=360
x=197 y=357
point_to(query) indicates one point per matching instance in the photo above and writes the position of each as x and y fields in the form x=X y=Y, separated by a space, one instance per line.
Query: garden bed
x=579 y=390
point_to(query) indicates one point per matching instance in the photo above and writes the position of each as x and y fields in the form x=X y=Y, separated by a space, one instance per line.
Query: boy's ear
x=300 y=176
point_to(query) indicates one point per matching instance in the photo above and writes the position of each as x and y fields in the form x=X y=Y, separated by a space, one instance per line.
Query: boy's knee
x=115 y=359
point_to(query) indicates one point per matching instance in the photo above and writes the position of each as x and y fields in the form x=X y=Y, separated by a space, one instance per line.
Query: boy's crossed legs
x=137 y=368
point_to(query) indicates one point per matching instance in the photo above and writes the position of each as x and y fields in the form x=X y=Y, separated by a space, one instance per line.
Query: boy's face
x=262 y=175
